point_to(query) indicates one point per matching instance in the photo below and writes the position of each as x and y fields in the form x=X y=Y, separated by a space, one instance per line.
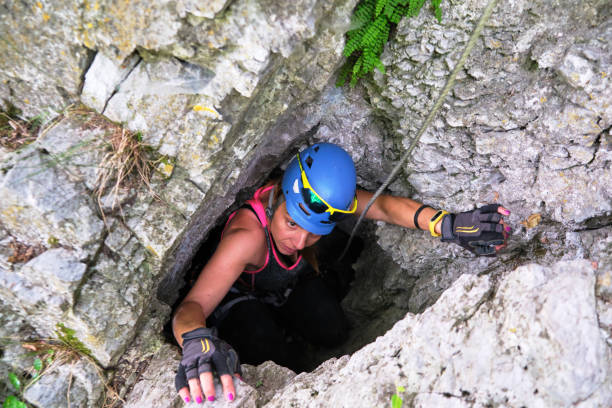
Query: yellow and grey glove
x=202 y=350
x=478 y=231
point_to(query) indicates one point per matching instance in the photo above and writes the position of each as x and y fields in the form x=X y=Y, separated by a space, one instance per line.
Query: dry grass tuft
x=16 y=132
x=126 y=165
x=127 y=162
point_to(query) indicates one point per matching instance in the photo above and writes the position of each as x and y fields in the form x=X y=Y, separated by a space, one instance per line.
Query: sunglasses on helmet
x=317 y=204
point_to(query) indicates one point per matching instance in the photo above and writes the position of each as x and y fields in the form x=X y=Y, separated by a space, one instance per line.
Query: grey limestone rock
x=526 y=125
x=514 y=122
x=39 y=202
x=43 y=57
x=76 y=384
x=96 y=289
x=103 y=78
x=75 y=148
x=195 y=8
x=532 y=339
x=156 y=389
x=44 y=287
x=224 y=91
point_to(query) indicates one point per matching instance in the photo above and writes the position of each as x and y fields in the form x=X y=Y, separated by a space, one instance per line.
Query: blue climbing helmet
x=319 y=187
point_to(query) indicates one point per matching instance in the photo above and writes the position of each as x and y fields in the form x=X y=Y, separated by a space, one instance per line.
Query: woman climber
x=258 y=276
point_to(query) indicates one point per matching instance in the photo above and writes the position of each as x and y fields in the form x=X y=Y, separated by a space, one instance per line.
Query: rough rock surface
x=532 y=339
x=223 y=92
x=200 y=83
x=43 y=56
x=78 y=384
x=156 y=388
x=527 y=124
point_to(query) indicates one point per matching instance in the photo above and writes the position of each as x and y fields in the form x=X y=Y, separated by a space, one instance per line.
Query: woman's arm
x=239 y=247
x=482 y=231
x=395 y=210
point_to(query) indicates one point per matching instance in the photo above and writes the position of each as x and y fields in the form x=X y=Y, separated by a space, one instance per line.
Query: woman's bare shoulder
x=244 y=233
x=244 y=220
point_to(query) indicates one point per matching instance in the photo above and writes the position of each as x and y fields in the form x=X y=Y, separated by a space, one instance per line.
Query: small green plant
x=48 y=354
x=396 y=400
x=44 y=358
x=67 y=337
x=53 y=242
x=13 y=402
x=371 y=25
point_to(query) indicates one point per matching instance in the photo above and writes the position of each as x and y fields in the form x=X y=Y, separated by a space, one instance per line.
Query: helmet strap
x=274 y=201
x=269 y=209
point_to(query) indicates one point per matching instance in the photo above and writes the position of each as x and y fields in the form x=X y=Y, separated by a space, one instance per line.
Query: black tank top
x=273 y=282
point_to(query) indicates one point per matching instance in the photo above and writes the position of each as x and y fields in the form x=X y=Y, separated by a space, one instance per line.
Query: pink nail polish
x=187 y=399
x=230 y=396
x=211 y=398
x=199 y=400
x=506 y=212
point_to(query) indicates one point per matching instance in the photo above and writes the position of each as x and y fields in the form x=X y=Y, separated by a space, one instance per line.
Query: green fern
x=371 y=25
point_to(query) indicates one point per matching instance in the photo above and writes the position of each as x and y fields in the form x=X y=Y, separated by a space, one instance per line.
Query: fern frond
x=364 y=12
x=437 y=10
x=383 y=38
x=380 y=65
x=388 y=11
x=344 y=72
x=380 y=5
x=358 y=65
x=415 y=7
x=369 y=60
x=373 y=32
x=371 y=27
x=354 y=41
x=395 y=16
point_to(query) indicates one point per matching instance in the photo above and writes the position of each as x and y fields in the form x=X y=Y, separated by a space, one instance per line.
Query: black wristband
x=416 y=215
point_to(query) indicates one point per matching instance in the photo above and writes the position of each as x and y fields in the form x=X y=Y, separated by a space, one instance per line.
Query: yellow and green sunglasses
x=317 y=204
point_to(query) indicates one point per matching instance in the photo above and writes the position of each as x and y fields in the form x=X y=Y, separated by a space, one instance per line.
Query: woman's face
x=288 y=236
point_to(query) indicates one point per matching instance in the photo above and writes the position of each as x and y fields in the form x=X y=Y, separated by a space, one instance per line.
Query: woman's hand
x=482 y=231
x=203 y=351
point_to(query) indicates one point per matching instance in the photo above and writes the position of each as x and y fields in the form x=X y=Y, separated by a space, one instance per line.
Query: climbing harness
x=447 y=87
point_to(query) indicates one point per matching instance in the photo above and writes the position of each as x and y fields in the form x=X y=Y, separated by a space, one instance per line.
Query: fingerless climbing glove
x=478 y=231
x=202 y=350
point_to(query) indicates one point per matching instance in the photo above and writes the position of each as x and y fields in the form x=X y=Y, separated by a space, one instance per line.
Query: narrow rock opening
x=336 y=275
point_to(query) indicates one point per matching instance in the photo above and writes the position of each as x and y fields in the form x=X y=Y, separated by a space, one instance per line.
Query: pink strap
x=260 y=211
x=281 y=262
x=255 y=202
x=261 y=214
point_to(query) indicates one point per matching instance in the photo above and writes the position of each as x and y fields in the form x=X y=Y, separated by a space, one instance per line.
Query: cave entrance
x=336 y=275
